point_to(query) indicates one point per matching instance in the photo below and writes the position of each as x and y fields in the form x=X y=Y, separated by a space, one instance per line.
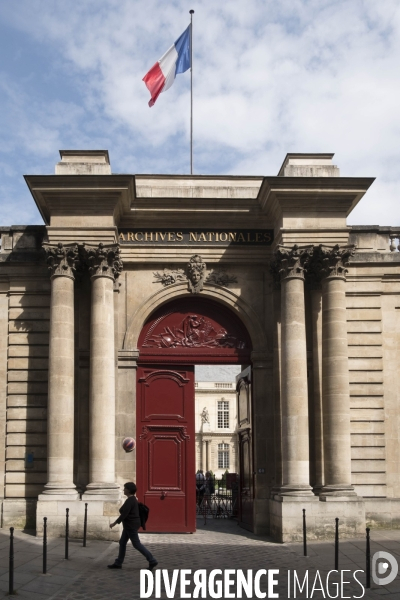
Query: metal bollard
x=66 y=532
x=337 y=544
x=85 y=526
x=44 y=545
x=304 y=533
x=11 y=564
x=368 y=561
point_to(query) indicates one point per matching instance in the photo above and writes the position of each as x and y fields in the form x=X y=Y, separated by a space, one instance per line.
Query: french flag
x=175 y=60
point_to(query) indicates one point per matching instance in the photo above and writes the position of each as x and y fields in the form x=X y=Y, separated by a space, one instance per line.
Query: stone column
x=294 y=393
x=316 y=304
x=203 y=454
x=277 y=483
x=62 y=262
x=104 y=267
x=208 y=462
x=335 y=372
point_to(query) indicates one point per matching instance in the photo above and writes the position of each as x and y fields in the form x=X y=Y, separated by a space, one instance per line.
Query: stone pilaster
x=104 y=267
x=62 y=261
x=290 y=264
x=335 y=371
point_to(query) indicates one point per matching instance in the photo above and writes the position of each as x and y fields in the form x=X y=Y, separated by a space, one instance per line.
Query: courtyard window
x=223 y=414
x=223 y=456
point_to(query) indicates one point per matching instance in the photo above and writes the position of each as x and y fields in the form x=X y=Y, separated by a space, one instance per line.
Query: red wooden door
x=166 y=447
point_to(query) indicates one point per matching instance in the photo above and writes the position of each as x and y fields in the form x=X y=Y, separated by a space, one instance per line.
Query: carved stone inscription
x=187 y=237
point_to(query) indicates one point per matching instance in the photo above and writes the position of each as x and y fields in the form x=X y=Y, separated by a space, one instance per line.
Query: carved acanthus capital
x=328 y=261
x=62 y=259
x=103 y=260
x=290 y=262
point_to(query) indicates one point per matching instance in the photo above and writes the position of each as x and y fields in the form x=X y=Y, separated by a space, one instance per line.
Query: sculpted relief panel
x=194 y=332
x=195 y=275
x=192 y=327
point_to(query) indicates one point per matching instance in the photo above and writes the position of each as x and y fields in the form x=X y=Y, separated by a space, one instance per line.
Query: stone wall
x=368 y=451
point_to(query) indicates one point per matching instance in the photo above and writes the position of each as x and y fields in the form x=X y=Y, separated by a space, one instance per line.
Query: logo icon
x=384 y=563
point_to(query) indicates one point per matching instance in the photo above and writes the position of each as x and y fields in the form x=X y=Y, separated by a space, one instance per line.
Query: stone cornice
x=216 y=434
x=95 y=198
x=217 y=391
x=338 y=194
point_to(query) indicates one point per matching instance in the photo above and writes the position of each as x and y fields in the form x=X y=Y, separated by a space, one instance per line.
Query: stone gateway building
x=134 y=279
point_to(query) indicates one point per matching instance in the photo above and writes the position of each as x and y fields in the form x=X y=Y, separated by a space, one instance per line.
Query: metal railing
x=217 y=506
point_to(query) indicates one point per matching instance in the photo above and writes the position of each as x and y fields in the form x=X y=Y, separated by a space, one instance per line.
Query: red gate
x=165 y=448
x=174 y=339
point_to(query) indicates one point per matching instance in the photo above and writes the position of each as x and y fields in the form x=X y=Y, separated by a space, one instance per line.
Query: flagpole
x=191 y=91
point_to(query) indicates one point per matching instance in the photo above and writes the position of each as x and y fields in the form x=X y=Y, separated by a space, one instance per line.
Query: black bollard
x=66 y=532
x=337 y=544
x=368 y=561
x=11 y=564
x=85 y=526
x=304 y=533
x=44 y=545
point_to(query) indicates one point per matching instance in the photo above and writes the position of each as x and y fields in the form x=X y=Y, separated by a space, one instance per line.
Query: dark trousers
x=132 y=534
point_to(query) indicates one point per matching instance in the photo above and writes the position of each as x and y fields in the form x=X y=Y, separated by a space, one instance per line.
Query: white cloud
x=298 y=75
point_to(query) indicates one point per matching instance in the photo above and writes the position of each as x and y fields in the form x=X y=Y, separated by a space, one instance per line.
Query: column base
x=100 y=514
x=296 y=490
x=337 y=490
x=59 y=491
x=286 y=518
x=110 y=492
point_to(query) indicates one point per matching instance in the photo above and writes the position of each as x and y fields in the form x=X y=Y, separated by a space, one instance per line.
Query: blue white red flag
x=176 y=60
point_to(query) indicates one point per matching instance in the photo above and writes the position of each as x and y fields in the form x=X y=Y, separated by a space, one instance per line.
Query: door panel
x=246 y=476
x=166 y=447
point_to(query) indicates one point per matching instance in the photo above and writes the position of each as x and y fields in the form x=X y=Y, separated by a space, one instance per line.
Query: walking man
x=129 y=517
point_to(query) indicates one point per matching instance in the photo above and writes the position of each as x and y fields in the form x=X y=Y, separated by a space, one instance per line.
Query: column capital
x=290 y=262
x=329 y=262
x=103 y=260
x=62 y=259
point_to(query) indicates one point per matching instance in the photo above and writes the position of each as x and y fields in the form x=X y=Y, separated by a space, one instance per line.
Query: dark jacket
x=129 y=514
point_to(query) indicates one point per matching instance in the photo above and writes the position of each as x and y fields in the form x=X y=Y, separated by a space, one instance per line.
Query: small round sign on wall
x=128 y=444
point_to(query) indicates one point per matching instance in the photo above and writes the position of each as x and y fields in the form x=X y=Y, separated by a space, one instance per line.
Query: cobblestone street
x=220 y=544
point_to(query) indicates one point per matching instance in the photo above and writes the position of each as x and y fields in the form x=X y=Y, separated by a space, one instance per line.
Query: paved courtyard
x=220 y=544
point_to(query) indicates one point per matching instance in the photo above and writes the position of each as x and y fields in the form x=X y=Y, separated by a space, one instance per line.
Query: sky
x=224 y=373
x=269 y=78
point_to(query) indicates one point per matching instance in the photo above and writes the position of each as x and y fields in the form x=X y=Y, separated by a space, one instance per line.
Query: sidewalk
x=220 y=544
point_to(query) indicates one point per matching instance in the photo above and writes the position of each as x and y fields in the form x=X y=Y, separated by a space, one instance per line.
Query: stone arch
x=219 y=294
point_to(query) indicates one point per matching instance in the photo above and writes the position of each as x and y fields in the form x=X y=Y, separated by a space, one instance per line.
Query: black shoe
x=153 y=565
x=114 y=566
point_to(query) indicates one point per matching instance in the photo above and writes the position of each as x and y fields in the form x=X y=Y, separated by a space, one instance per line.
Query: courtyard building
x=216 y=427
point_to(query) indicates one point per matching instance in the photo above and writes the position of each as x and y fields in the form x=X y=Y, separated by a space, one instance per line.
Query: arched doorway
x=177 y=336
